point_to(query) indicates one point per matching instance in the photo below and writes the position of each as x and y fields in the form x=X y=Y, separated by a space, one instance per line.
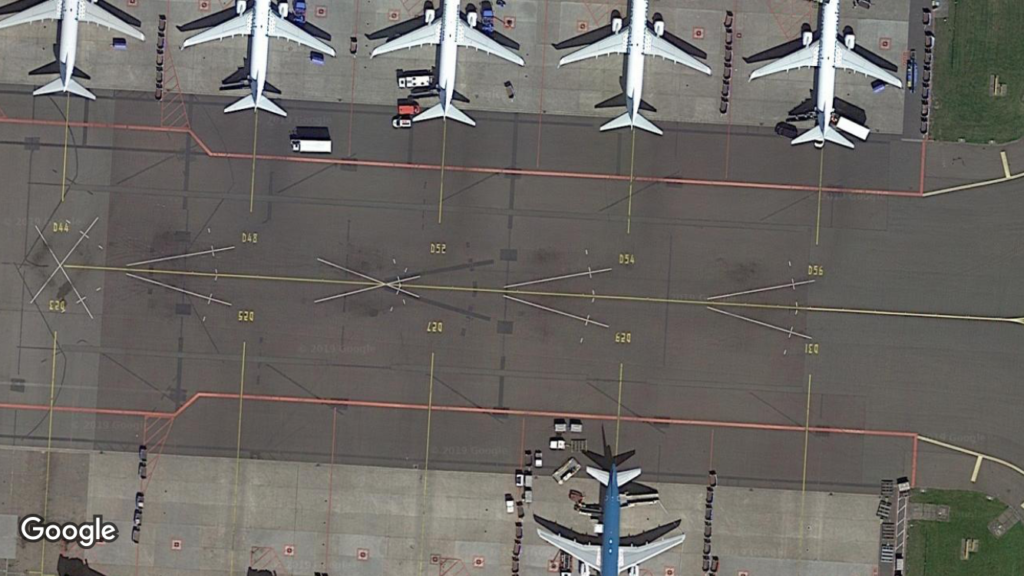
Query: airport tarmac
x=151 y=353
x=363 y=520
x=542 y=89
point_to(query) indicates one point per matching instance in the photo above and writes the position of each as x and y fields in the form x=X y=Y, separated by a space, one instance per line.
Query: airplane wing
x=18 y=6
x=849 y=60
x=48 y=10
x=648 y=536
x=617 y=43
x=209 y=21
x=470 y=37
x=656 y=46
x=92 y=13
x=630 y=556
x=430 y=34
x=589 y=554
x=281 y=28
x=237 y=26
x=804 y=58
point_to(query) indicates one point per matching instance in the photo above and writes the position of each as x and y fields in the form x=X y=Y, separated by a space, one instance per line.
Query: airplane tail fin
x=438 y=111
x=58 y=86
x=248 y=103
x=637 y=121
x=815 y=135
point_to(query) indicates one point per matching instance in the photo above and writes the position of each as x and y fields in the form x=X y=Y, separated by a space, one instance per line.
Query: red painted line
x=468 y=169
x=465 y=410
x=543 y=61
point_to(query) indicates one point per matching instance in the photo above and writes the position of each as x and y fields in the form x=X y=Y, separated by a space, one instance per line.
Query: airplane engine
x=471 y=18
x=584 y=569
x=806 y=38
x=659 y=25
x=282 y=9
x=850 y=40
x=240 y=7
x=428 y=12
x=616 y=21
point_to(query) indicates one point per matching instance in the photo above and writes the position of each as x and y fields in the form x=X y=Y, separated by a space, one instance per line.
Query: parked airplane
x=451 y=29
x=69 y=13
x=641 y=38
x=610 y=553
x=261 y=21
x=826 y=51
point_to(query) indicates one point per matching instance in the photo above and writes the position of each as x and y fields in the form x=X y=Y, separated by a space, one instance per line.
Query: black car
x=786 y=129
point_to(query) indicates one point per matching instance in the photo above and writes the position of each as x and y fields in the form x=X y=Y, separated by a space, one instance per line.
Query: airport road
x=150 y=348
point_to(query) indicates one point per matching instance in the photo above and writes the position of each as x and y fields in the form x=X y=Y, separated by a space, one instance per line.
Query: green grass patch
x=978 y=39
x=934 y=547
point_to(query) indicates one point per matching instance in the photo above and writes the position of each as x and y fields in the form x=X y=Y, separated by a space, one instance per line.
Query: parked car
x=789 y=131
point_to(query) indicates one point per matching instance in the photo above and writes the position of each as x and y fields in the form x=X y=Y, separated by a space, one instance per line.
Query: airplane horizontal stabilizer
x=438 y=111
x=636 y=121
x=58 y=86
x=264 y=103
x=815 y=135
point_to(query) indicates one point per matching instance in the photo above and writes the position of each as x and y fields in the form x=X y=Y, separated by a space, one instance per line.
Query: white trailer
x=852 y=128
x=311 y=140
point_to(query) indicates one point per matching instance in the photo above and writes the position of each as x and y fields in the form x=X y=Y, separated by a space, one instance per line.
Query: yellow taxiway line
x=49 y=444
x=978 y=455
x=1006 y=163
x=444 y=149
x=618 y=410
x=803 y=473
x=252 y=182
x=821 y=176
x=67 y=129
x=426 y=467
x=632 y=167
x=568 y=295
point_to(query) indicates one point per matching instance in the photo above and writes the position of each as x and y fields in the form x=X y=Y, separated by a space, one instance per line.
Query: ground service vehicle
x=311 y=140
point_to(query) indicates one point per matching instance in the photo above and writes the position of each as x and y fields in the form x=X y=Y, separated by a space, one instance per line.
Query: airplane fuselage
x=635 y=55
x=610 y=511
x=449 y=52
x=828 y=27
x=68 y=38
x=259 y=48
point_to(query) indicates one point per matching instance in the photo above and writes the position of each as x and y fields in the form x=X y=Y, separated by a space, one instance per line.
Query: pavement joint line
x=501 y=171
x=60 y=265
x=586 y=320
x=252 y=183
x=974 y=453
x=571 y=295
x=209 y=252
x=426 y=468
x=49 y=444
x=618 y=409
x=791 y=284
x=238 y=461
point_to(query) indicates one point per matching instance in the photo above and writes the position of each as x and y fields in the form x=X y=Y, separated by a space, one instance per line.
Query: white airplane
x=641 y=38
x=69 y=13
x=261 y=21
x=451 y=30
x=825 y=51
